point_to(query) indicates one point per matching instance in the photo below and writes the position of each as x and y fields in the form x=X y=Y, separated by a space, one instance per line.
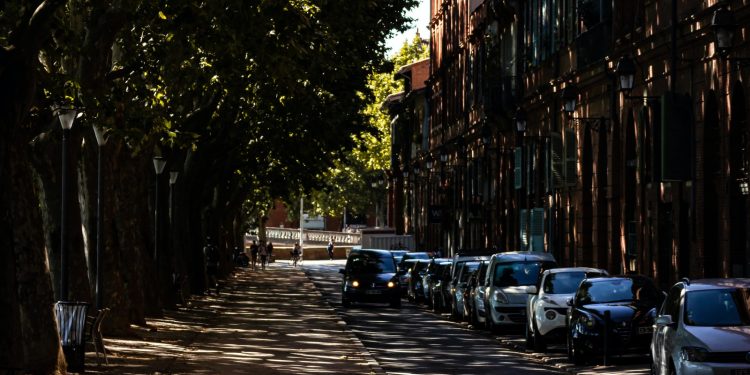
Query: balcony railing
x=291 y=235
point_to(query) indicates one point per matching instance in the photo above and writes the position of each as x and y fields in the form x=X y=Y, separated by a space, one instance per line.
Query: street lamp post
x=101 y=140
x=159 y=164
x=66 y=116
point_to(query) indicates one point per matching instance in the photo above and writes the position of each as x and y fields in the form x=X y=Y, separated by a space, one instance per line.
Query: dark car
x=459 y=284
x=404 y=274
x=415 y=291
x=612 y=315
x=441 y=285
x=474 y=296
x=370 y=276
x=431 y=276
x=398 y=254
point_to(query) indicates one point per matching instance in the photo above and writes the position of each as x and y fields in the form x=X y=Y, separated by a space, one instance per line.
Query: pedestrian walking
x=263 y=252
x=211 y=254
x=254 y=254
x=269 y=249
x=330 y=249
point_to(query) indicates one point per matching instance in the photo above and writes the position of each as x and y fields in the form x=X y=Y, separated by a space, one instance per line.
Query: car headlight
x=391 y=284
x=500 y=297
x=355 y=284
x=587 y=325
x=693 y=354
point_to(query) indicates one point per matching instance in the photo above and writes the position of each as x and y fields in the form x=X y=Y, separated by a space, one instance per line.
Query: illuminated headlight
x=550 y=314
x=693 y=354
x=500 y=297
x=391 y=284
x=355 y=284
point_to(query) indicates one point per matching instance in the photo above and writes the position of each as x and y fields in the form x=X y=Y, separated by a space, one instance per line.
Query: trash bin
x=71 y=324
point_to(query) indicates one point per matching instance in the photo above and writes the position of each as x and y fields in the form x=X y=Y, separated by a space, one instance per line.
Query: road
x=412 y=340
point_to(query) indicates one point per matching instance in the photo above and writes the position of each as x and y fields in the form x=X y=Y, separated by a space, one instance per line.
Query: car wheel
x=539 y=344
x=491 y=326
x=529 y=338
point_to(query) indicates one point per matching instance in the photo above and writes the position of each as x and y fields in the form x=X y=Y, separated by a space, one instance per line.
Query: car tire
x=540 y=345
x=491 y=326
x=529 y=338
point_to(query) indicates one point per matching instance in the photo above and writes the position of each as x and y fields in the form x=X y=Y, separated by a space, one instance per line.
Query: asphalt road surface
x=413 y=340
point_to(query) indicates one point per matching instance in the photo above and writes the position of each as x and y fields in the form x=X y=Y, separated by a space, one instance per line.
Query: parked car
x=547 y=308
x=441 y=287
x=431 y=276
x=612 y=315
x=510 y=277
x=404 y=274
x=370 y=276
x=458 y=286
x=415 y=290
x=703 y=327
x=398 y=255
x=411 y=255
x=474 y=296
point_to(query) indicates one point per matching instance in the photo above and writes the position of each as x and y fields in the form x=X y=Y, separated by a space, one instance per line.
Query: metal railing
x=291 y=235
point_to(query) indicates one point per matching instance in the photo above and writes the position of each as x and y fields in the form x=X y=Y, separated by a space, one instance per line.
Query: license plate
x=373 y=292
x=740 y=372
x=645 y=330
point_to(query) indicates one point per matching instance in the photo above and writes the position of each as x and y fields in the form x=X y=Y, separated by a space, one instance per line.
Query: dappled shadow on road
x=264 y=322
x=411 y=341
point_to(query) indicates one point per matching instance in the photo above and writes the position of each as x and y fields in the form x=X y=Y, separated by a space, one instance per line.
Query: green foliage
x=348 y=183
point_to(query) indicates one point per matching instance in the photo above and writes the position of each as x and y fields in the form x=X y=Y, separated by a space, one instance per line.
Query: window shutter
x=518 y=168
x=571 y=157
x=522 y=226
x=537 y=229
x=557 y=164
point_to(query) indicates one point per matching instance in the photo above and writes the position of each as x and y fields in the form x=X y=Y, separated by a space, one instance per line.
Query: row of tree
x=248 y=100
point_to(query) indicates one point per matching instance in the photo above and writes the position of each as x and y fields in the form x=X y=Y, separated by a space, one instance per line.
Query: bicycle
x=295 y=259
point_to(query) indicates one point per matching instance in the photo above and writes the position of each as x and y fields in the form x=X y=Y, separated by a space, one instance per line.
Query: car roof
x=574 y=269
x=371 y=251
x=514 y=256
x=707 y=284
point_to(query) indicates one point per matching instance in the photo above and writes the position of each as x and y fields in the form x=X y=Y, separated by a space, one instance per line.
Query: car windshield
x=618 y=290
x=468 y=269
x=416 y=256
x=371 y=263
x=718 y=307
x=565 y=282
x=516 y=273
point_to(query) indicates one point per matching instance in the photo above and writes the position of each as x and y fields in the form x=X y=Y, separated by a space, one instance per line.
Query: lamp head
x=723 y=25
x=569 y=95
x=626 y=73
x=159 y=164
x=66 y=116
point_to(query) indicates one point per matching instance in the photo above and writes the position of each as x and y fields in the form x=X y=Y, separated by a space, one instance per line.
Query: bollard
x=606 y=336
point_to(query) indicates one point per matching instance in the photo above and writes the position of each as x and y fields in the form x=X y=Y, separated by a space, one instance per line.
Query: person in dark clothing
x=212 y=264
x=330 y=249
x=269 y=249
x=254 y=254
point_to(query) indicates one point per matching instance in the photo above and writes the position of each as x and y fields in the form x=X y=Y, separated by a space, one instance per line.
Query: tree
x=370 y=159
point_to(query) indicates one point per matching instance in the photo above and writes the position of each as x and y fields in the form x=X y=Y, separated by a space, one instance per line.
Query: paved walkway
x=264 y=322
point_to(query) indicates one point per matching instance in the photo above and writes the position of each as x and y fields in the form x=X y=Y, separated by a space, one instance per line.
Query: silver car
x=703 y=328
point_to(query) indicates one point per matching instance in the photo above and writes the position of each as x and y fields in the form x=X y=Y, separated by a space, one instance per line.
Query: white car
x=510 y=277
x=703 y=328
x=548 y=305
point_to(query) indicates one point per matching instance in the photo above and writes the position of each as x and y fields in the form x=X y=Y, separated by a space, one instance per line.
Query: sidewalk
x=264 y=322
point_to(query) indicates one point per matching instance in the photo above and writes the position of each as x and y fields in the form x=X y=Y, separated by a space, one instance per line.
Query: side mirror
x=665 y=320
x=531 y=289
x=570 y=302
x=342 y=271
